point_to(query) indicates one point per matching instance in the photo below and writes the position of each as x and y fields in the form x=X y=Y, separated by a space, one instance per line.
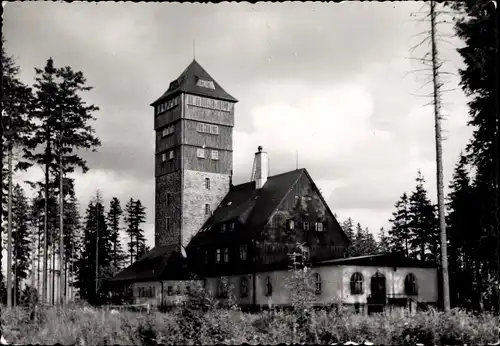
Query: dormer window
x=291 y=224
x=319 y=227
x=205 y=84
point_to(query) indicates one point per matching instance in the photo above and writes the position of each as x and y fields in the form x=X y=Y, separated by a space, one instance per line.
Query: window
x=269 y=287
x=231 y=226
x=291 y=224
x=207 y=209
x=317 y=283
x=411 y=285
x=163 y=157
x=217 y=256
x=207 y=128
x=226 y=254
x=207 y=183
x=215 y=154
x=169 y=290
x=243 y=252
x=167 y=201
x=200 y=152
x=243 y=287
x=168 y=130
x=221 y=288
x=306 y=225
x=205 y=84
x=357 y=283
x=140 y=292
x=305 y=253
x=223 y=227
x=153 y=291
x=168 y=223
x=178 y=291
x=319 y=227
x=170 y=154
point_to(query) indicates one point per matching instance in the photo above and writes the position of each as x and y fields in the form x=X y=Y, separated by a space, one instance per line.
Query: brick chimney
x=260 y=168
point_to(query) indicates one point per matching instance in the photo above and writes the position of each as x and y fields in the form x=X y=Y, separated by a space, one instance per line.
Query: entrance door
x=378 y=293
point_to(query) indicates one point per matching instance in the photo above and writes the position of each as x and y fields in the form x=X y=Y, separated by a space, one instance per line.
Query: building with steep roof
x=210 y=230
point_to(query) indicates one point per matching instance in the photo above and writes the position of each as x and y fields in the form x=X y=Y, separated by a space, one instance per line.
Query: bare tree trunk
x=14 y=300
x=97 y=251
x=53 y=288
x=45 y=233
x=38 y=258
x=61 y=234
x=9 y=230
x=439 y=162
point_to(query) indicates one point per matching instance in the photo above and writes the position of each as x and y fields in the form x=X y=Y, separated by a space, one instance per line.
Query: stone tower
x=194 y=122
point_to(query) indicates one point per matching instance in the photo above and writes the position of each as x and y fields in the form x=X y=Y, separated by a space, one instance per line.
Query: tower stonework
x=194 y=122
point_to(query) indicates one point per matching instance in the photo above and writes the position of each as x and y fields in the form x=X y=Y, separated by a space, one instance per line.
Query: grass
x=76 y=324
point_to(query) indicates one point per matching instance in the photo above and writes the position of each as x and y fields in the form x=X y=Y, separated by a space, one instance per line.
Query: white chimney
x=260 y=168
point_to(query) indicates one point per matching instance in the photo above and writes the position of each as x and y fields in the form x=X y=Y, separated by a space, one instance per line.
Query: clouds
x=327 y=80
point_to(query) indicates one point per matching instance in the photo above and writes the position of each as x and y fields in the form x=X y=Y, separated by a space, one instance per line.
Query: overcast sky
x=330 y=81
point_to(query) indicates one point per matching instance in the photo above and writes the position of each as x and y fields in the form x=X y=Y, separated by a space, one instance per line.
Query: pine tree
x=72 y=238
x=424 y=231
x=16 y=127
x=93 y=267
x=461 y=220
x=62 y=119
x=21 y=240
x=399 y=234
x=384 y=242
x=478 y=28
x=130 y=229
x=348 y=228
x=114 y=216
x=140 y=218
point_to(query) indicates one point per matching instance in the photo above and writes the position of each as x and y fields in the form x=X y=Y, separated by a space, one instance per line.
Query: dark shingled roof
x=251 y=207
x=187 y=83
x=380 y=260
x=163 y=262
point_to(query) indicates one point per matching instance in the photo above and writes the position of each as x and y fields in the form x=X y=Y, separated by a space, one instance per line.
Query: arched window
x=411 y=285
x=357 y=283
x=269 y=287
x=317 y=283
x=243 y=287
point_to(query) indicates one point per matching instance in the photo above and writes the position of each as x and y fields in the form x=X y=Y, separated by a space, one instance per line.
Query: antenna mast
x=194 y=49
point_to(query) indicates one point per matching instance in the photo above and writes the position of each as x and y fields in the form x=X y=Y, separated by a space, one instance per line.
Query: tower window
x=168 y=199
x=168 y=223
x=215 y=154
x=163 y=157
x=243 y=252
x=226 y=254
x=207 y=183
x=205 y=84
x=217 y=256
x=200 y=152
x=168 y=130
x=214 y=129
x=207 y=209
x=170 y=154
